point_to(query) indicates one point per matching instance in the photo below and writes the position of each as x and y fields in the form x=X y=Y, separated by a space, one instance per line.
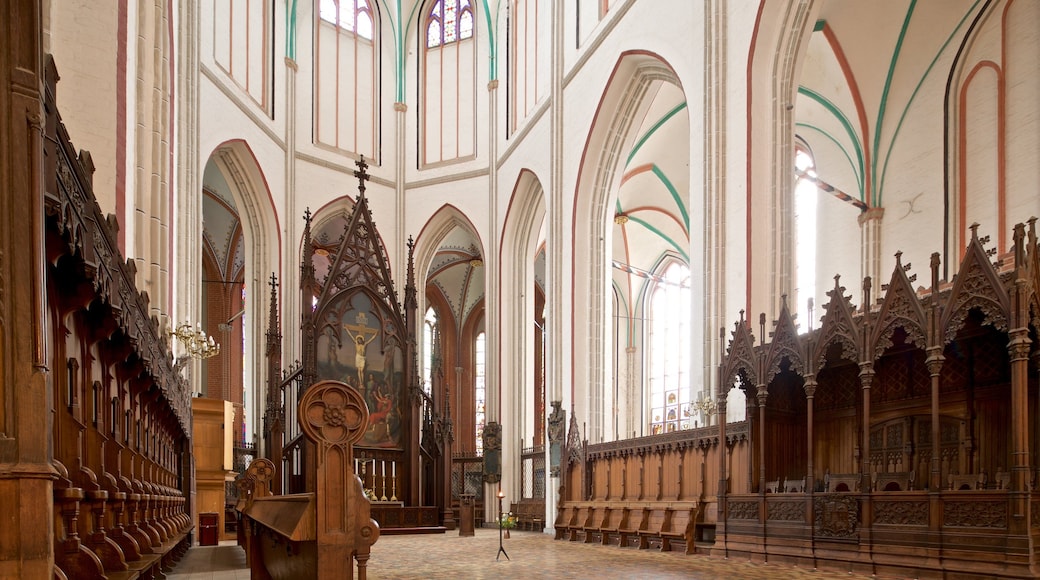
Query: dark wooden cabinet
x=208 y=529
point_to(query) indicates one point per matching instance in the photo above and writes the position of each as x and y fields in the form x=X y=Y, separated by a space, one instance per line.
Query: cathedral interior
x=745 y=280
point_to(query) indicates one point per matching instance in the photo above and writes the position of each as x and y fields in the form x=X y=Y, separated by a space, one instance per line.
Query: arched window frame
x=668 y=348
x=430 y=335
x=462 y=11
x=805 y=208
x=330 y=109
x=448 y=90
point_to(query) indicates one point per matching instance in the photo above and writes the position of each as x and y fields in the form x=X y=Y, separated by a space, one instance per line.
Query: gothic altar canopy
x=357 y=329
x=355 y=332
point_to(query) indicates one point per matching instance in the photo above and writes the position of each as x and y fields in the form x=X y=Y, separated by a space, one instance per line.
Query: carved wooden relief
x=903 y=513
x=837 y=326
x=900 y=309
x=784 y=346
x=740 y=356
x=786 y=511
x=965 y=514
x=743 y=510
x=836 y=516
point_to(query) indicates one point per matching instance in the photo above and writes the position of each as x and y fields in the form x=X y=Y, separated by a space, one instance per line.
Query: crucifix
x=361 y=174
x=358 y=334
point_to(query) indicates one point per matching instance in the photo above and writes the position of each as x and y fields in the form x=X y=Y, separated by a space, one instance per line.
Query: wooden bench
x=896 y=481
x=564 y=520
x=965 y=482
x=657 y=519
x=612 y=524
x=678 y=535
x=530 y=514
x=841 y=482
x=794 y=485
x=634 y=521
x=576 y=530
x=594 y=525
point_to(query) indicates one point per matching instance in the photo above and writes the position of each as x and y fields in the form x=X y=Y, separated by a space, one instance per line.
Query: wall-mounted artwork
x=359 y=344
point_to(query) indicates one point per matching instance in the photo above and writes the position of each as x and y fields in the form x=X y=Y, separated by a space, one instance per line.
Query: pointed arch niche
x=240 y=247
x=632 y=206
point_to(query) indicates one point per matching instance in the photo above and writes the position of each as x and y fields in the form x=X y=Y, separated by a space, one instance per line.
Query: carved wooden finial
x=362 y=175
x=307 y=216
x=974 y=227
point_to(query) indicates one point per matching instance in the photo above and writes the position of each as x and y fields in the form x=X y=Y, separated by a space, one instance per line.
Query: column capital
x=872 y=214
x=400 y=107
x=493 y=85
x=291 y=64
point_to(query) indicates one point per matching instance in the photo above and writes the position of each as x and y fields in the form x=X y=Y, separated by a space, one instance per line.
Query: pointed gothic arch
x=613 y=136
x=261 y=254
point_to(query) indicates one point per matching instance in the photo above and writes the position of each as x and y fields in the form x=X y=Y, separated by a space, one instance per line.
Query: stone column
x=870 y=242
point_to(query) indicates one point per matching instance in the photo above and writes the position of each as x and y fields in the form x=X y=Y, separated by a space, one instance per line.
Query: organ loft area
x=748 y=280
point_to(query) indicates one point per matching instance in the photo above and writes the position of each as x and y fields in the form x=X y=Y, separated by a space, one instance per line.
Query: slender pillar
x=1018 y=348
x=935 y=363
x=810 y=392
x=866 y=379
x=763 y=393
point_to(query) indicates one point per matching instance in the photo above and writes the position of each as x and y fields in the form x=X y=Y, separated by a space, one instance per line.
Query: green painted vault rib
x=880 y=185
x=492 y=52
x=841 y=148
x=884 y=98
x=675 y=196
x=653 y=129
x=834 y=110
x=290 y=30
x=660 y=234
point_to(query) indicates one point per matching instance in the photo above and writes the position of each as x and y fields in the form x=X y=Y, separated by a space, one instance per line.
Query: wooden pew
x=612 y=524
x=897 y=481
x=969 y=481
x=841 y=482
x=657 y=519
x=594 y=524
x=629 y=530
x=320 y=534
x=564 y=520
x=678 y=534
x=794 y=485
x=575 y=530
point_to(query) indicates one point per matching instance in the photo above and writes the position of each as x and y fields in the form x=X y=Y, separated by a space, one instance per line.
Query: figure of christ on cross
x=357 y=333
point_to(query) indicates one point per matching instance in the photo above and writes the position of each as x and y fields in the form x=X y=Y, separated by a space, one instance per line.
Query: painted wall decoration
x=359 y=345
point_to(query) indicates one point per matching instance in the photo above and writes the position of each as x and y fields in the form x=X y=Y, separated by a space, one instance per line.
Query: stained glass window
x=669 y=351
x=350 y=15
x=449 y=21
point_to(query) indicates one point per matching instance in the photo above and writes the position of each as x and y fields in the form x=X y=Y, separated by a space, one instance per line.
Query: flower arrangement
x=508 y=520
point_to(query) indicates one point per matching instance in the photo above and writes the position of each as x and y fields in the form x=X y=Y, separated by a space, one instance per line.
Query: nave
x=531 y=555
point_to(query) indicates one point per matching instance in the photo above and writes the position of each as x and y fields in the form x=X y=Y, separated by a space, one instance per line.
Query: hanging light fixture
x=195 y=341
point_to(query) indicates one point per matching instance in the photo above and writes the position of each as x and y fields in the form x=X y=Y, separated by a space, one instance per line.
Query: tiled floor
x=531 y=555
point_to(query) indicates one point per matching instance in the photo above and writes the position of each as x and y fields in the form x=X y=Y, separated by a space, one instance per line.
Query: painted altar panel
x=359 y=344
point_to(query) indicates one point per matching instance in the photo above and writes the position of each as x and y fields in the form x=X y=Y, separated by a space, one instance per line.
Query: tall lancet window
x=805 y=194
x=480 y=391
x=346 y=76
x=669 y=352
x=429 y=346
x=449 y=83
